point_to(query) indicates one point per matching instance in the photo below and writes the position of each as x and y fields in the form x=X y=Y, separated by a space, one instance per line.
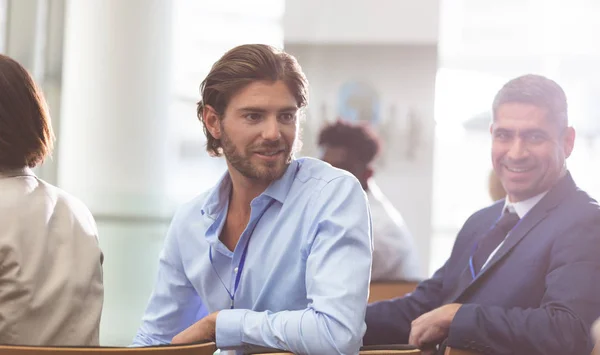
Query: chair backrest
x=391 y=352
x=367 y=350
x=260 y=350
x=389 y=349
x=450 y=351
x=370 y=352
x=385 y=290
x=190 y=349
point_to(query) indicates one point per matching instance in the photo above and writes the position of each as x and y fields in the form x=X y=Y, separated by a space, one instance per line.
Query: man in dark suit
x=524 y=273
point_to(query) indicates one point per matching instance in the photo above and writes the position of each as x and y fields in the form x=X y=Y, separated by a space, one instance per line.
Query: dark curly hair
x=362 y=143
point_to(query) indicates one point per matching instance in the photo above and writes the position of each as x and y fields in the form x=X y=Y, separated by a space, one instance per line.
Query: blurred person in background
x=353 y=147
x=278 y=253
x=495 y=188
x=51 y=289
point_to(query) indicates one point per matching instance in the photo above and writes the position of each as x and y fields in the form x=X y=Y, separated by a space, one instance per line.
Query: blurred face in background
x=341 y=158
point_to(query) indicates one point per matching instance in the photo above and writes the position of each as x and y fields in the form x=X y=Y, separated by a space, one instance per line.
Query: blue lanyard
x=240 y=267
x=471 y=266
x=237 y=276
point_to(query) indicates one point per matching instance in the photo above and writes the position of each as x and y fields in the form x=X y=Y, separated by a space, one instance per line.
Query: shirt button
x=235 y=270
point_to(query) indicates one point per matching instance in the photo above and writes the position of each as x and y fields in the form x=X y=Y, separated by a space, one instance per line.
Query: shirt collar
x=522 y=207
x=278 y=189
x=218 y=197
x=7 y=173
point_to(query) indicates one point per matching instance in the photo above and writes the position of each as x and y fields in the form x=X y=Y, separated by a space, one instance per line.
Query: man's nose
x=271 y=129
x=517 y=149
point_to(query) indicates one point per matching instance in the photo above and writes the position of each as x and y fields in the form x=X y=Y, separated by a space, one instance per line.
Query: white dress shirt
x=395 y=256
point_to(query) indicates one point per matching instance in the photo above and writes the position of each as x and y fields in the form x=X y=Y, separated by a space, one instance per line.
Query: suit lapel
x=538 y=213
x=529 y=221
x=465 y=278
x=464 y=281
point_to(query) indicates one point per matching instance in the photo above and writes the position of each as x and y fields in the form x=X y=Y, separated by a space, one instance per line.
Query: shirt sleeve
x=337 y=284
x=174 y=304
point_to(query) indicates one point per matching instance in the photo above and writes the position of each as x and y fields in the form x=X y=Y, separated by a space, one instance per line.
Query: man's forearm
x=301 y=332
x=533 y=331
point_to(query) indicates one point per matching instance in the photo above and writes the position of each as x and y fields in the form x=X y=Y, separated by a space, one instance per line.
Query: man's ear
x=368 y=173
x=212 y=121
x=569 y=141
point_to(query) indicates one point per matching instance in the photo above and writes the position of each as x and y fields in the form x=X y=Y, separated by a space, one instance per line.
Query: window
x=462 y=153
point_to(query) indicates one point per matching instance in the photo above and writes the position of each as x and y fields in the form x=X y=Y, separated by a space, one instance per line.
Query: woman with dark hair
x=51 y=289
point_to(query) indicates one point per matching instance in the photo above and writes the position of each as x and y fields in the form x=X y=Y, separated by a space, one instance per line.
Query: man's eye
x=252 y=116
x=535 y=138
x=501 y=135
x=287 y=117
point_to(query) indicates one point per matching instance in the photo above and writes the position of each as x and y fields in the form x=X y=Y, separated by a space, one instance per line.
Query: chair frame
x=186 y=349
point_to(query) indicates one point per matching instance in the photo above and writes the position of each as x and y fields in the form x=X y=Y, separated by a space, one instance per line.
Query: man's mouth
x=270 y=153
x=518 y=169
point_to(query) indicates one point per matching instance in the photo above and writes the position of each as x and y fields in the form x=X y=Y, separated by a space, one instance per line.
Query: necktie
x=493 y=238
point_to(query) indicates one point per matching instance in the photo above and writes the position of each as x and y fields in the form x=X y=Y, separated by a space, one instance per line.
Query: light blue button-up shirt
x=304 y=285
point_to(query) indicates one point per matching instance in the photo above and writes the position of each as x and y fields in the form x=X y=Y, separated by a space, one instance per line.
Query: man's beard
x=265 y=171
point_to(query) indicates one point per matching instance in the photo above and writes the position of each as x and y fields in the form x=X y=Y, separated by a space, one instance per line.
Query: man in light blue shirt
x=278 y=253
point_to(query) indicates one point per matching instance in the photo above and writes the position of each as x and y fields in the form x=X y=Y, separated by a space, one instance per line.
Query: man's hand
x=204 y=329
x=432 y=328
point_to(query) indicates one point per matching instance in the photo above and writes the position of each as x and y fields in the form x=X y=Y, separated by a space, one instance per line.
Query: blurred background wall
x=121 y=79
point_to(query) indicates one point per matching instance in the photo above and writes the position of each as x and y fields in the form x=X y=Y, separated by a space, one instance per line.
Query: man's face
x=259 y=130
x=528 y=149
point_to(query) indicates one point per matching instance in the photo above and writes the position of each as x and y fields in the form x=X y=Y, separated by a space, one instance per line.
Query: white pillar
x=115 y=105
x=114 y=124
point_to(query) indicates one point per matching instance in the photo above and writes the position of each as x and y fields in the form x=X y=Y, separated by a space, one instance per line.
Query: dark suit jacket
x=539 y=294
